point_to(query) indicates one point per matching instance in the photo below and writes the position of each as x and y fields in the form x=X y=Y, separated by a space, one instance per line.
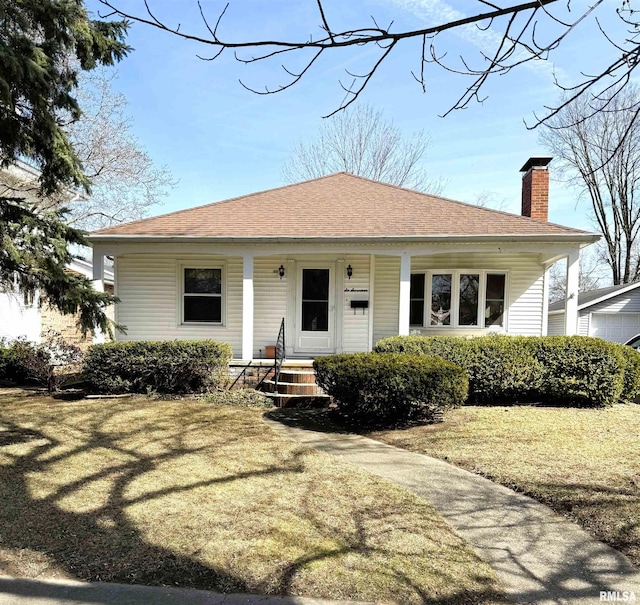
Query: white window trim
x=455 y=298
x=202 y=264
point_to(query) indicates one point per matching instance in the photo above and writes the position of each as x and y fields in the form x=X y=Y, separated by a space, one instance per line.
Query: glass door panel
x=315 y=300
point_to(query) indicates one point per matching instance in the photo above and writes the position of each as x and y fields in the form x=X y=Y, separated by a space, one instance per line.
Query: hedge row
x=570 y=369
x=164 y=367
x=378 y=390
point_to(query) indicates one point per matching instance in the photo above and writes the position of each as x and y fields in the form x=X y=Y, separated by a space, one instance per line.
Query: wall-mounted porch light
x=281 y=271
x=349 y=271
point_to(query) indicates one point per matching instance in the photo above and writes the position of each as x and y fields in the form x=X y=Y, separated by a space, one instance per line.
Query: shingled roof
x=340 y=205
x=590 y=297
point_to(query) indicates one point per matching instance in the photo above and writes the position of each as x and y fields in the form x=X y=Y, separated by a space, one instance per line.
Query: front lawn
x=583 y=463
x=190 y=494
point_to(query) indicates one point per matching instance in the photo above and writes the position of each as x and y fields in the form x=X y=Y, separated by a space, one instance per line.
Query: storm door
x=315 y=322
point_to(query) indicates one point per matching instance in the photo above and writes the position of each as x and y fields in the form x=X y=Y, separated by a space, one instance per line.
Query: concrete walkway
x=539 y=557
x=16 y=591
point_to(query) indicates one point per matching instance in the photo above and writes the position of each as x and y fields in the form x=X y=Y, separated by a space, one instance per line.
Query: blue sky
x=221 y=140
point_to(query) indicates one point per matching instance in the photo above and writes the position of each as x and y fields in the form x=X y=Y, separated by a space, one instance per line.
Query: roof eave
x=584 y=237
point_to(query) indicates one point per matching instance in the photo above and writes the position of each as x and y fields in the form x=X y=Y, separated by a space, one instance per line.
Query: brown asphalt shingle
x=339 y=205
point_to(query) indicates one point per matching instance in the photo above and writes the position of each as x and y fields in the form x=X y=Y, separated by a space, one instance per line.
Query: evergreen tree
x=43 y=46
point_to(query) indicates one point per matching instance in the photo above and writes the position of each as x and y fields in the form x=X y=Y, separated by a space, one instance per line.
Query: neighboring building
x=611 y=313
x=33 y=321
x=345 y=261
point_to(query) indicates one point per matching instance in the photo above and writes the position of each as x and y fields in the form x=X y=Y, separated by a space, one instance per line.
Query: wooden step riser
x=297 y=377
x=291 y=388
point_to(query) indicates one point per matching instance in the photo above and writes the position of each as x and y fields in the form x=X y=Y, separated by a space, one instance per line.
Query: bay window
x=458 y=299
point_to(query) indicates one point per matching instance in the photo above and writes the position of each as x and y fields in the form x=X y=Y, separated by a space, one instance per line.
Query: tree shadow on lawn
x=321 y=420
x=103 y=544
x=324 y=420
x=610 y=513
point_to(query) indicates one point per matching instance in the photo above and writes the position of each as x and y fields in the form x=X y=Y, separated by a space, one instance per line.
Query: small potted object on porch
x=270 y=351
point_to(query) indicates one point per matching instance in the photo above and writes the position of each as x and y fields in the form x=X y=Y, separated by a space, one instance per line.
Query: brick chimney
x=535 y=188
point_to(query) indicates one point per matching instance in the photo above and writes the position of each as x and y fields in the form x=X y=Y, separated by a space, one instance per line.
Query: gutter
x=583 y=237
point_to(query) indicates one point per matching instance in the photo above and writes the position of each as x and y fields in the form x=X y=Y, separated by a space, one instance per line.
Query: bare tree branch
x=381 y=37
x=360 y=141
x=517 y=33
x=599 y=153
x=125 y=182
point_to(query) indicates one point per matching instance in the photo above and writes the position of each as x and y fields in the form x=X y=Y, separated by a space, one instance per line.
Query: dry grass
x=583 y=463
x=190 y=494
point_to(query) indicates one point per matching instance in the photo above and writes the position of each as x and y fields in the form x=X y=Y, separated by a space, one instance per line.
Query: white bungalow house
x=344 y=261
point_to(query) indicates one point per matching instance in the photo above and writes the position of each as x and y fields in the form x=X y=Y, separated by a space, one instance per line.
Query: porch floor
x=288 y=361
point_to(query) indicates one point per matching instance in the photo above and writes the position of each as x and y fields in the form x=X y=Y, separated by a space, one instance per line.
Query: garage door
x=617 y=327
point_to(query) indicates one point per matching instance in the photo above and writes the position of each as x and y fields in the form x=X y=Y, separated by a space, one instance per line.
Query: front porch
x=333 y=299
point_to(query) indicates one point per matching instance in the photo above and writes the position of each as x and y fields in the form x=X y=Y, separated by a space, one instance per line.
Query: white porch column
x=98 y=285
x=545 y=300
x=247 y=305
x=405 y=292
x=571 y=297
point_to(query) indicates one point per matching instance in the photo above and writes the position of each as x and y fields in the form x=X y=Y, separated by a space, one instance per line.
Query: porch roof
x=341 y=205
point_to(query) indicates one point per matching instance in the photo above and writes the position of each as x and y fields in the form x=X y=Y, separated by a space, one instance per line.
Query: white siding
x=149 y=290
x=270 y=301
x=629 y=302
x=355 y=331
x=556 y=325
x=386 y=297
x=149 y=286
x=18 y=319
x=583 y=323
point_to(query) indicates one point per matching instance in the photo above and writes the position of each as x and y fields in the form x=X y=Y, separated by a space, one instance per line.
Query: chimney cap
x=538 y=161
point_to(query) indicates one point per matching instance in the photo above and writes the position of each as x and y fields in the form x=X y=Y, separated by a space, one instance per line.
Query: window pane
x=203 y=281
x=495 y=286
x=441 y=300
x=494 y=307
x=315 y=316
x=469 y=288
x=417 y=286
x=203 y=308
x=315 y=284
x=416 y=314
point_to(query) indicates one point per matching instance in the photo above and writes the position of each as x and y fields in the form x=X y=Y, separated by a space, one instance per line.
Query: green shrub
x=631 y=388
x=501 y=369
x=26 y=362
x=165 y=367
x=582 y=370
x=374 y=389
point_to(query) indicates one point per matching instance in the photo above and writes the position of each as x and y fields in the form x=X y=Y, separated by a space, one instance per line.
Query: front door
x=315 y=314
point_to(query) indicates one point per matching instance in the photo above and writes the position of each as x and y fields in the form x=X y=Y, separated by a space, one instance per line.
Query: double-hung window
x=202 y=295
x=458 y=299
